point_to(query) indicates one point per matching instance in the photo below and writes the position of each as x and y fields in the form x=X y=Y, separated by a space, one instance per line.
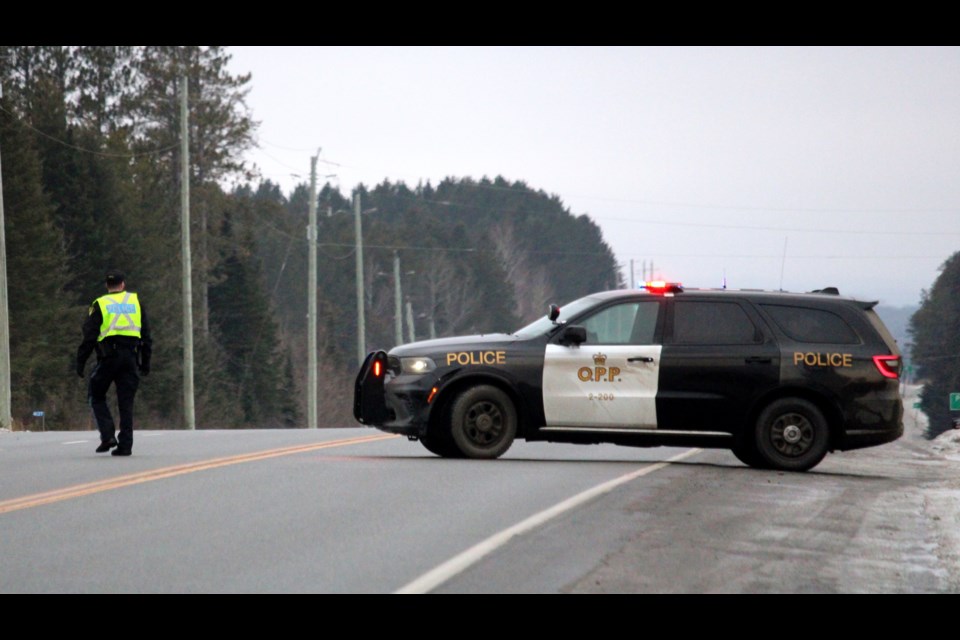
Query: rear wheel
x=483 y=422
x=746 y=452
x=791 y=435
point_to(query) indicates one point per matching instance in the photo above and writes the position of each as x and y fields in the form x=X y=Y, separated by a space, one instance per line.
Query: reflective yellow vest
x=121 y=314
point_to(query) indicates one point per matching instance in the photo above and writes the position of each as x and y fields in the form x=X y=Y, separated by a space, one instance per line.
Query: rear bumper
x=860 y=438
x=882 y=422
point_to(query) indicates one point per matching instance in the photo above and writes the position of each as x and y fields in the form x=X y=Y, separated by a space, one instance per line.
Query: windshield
x=545 y=324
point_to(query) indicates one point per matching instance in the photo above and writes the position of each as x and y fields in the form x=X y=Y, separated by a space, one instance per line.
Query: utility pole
x=397 y=301
x=632 y=283
x=410 y=332
x=6 y=417
x=189 y=417
x=312 y=300
x=361 y=325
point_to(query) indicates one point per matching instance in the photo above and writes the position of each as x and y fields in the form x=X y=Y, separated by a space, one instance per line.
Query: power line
x=22 y=122
x=707 y=225
x=595 y=253
x=667 y=203
x=269 y=225
x=704 y=225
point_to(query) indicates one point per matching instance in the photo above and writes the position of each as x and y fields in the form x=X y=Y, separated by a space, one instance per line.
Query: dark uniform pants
x=118 y=366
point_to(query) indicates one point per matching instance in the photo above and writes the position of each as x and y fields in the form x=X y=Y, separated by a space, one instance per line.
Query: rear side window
x=812 y=325
x=712 y=323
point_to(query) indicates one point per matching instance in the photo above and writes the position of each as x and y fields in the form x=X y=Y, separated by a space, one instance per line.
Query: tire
x=483 y=422
x=791 y=435
x=746 y=452
x=440 y=444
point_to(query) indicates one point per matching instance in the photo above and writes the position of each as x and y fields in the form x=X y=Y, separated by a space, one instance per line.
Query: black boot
x=106 y=445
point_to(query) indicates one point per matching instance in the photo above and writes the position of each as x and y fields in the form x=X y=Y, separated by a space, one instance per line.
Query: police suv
x=778 y=378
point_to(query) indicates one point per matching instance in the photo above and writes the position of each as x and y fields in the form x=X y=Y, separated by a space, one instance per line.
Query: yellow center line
x=76 y=491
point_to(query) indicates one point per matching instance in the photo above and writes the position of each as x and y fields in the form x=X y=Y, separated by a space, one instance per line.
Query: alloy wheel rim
x=792 y=434
x=484 y=423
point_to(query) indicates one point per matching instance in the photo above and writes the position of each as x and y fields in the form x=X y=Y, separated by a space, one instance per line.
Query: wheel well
x=441 y=405
x=829 y=409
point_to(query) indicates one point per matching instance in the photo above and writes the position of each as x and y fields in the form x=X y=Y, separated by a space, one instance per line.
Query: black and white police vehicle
x=778 y=378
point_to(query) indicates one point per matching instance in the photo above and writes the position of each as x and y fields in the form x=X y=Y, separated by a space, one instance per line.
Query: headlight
x=417 y=365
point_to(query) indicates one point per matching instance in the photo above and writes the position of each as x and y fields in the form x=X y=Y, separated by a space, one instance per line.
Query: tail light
x=889 y=366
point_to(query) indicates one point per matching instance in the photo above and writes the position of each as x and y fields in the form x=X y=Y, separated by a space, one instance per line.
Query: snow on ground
x=947 y=444
x=942 y=503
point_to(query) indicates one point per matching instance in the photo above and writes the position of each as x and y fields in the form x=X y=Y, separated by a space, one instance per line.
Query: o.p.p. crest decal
x=599 y=372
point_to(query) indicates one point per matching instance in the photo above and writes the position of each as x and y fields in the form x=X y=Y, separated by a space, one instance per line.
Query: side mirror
x=554 y=313
x=574 y=334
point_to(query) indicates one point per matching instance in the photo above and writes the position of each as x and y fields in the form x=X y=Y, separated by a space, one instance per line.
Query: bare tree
x=451 y=297
x=531 y=285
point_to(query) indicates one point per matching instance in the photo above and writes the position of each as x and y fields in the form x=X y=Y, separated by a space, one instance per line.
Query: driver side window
x=629 y=323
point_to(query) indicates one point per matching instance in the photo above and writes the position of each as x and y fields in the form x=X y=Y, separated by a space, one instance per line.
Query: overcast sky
x=793 y=168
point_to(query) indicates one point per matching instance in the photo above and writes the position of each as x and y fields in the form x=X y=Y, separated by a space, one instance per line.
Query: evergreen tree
x=43 y=328
x=936 y=346
x=247 y=333
x=220 y=130
x=105 y=87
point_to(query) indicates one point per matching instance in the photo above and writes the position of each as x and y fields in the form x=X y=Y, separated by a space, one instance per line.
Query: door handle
x=640 y=359
x=758 y=360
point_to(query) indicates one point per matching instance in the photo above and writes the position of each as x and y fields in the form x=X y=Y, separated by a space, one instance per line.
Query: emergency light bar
x=661 y=287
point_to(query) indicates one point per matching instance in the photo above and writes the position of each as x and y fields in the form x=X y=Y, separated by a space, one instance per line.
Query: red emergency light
x=661 y=287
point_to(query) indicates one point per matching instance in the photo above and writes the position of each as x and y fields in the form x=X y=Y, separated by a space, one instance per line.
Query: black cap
x=114 y=277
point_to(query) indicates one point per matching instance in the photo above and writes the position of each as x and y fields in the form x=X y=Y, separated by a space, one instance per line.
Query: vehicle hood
x=458 y=343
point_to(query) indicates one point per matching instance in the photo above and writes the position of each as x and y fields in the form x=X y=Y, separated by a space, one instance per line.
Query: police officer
x=116 y=327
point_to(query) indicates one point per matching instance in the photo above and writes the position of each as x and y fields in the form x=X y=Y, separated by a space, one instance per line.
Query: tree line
x=89 y=149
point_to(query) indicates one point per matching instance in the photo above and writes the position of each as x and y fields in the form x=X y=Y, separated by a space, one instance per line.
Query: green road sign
x=955 y=402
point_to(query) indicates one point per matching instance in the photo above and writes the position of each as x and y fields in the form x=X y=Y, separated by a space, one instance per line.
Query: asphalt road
x=358 y=511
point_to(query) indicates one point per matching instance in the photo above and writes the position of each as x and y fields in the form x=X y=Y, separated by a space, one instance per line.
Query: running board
x=638 y=431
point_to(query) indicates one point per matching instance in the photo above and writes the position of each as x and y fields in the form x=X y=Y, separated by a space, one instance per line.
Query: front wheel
x=483 y=422
x=791 y=435
x=440 y=444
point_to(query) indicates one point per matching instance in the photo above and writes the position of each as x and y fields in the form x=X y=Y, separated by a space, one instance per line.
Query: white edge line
x=459 y=563
x=76 y=442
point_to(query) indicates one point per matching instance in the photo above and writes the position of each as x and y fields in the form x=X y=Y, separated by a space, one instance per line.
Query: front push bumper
x=395 y=404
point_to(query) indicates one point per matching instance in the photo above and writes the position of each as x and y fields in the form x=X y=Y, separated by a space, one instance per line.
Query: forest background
x=90 y=144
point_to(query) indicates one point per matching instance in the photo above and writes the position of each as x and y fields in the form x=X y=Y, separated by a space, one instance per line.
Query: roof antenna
x=724 y=278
